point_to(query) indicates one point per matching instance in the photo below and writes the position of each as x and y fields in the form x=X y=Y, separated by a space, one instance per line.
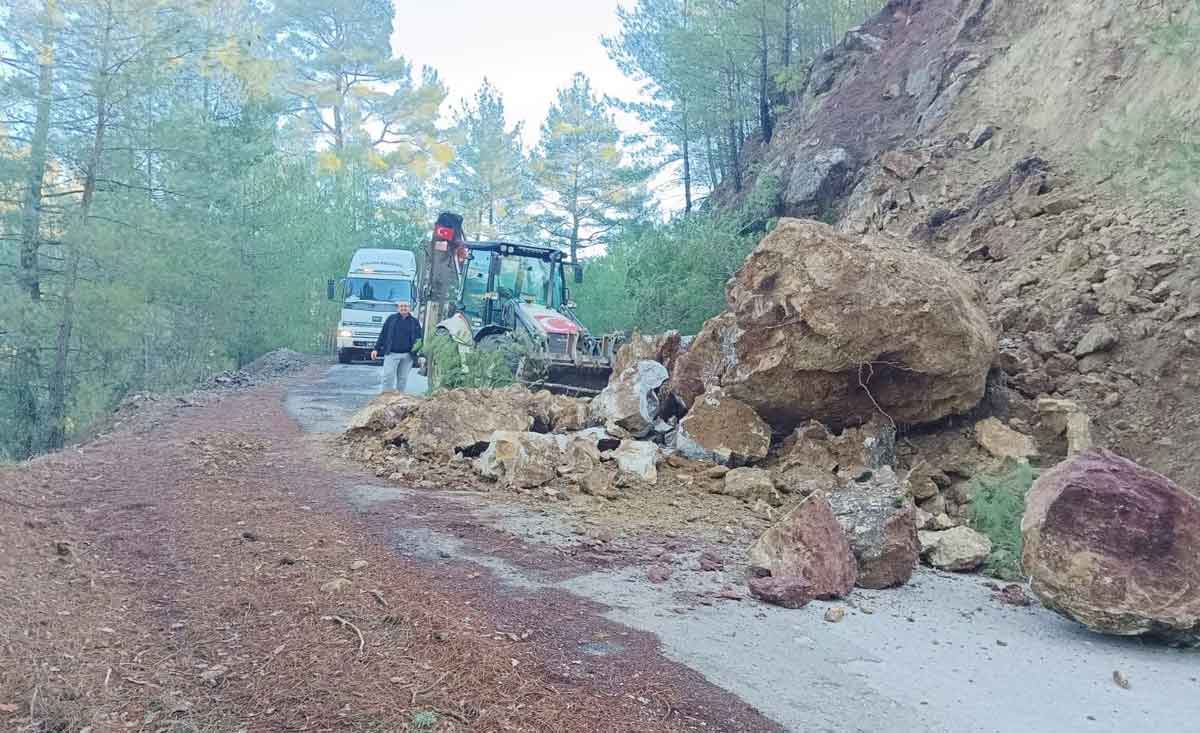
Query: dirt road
x=218 y=568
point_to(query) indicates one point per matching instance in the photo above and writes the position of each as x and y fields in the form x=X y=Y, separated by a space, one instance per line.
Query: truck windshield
x=372 y=288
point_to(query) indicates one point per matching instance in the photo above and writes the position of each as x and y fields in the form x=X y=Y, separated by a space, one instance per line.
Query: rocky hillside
x=971 y=128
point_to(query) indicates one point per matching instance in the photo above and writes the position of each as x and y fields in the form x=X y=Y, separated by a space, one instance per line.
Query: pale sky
x=528 y=49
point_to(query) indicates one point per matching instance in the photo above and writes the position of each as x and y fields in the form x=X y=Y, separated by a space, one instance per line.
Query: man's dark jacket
x=399 y=335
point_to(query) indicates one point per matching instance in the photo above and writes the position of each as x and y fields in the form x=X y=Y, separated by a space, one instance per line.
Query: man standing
x=397 y=344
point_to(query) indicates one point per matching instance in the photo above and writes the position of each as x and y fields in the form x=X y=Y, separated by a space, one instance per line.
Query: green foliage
x=997 y=505
x=423 y=720
x=656 y=277
x=456 y=366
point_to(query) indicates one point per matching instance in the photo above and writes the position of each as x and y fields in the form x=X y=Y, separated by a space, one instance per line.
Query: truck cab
x=376 y=280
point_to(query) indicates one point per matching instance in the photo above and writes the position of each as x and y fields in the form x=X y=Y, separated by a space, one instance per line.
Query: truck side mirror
x=578 y=274
x=330 y=288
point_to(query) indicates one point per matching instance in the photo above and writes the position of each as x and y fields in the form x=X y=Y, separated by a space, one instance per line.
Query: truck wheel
x=344 y=356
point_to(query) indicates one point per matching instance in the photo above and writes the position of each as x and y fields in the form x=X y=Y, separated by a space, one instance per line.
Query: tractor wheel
x=504 y=344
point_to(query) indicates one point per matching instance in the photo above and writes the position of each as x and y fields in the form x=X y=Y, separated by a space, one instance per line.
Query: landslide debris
x=825 y=326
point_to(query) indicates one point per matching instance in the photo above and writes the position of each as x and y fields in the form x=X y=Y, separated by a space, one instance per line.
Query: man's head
x=404 y=308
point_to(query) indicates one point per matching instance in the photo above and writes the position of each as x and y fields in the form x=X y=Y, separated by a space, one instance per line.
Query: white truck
x=376 y=281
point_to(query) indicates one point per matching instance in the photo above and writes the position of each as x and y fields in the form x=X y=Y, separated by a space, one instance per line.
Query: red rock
x=1114 y=546
x=1012 y=595
x=789 y=591
x=808 y=543
x=710 y=562
x=658 y=573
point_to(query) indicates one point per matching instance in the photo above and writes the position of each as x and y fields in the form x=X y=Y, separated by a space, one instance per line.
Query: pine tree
x=588 y=190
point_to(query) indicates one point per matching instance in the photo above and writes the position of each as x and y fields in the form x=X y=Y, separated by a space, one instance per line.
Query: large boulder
x=824 y=326
x=707 y=357
x=557 y=413
x=638 y=460
x=521 y=460
x=462 y=421
x=721 y=429
x=808 y=543
x=1114 y=546
x=630 y=402
x=880 y=523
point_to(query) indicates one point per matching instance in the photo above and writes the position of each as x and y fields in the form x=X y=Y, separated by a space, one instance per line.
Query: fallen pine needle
x=143 y=683
x=362 y=642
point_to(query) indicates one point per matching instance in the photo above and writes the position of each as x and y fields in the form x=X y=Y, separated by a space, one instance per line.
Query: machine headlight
x=345 y=333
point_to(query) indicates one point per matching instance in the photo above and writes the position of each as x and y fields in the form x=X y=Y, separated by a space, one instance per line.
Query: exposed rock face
x=462 y=420
x=521 y=460
x=1002 y=441
x=817 y=182
x=1114 y=546
x=834 y=328
x=630 y=402
x=637 y=459
x=721 y=429
x=959 y=549
x=751 y=485
x=808 y=543
x=881 y=527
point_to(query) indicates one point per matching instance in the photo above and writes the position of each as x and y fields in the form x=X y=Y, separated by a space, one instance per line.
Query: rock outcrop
x=1114 y=546
x=808 y=543
x=825 y=326
x=721 y=429
x=629 y=405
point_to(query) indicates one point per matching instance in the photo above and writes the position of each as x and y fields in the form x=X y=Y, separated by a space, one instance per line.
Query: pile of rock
x=791 y=398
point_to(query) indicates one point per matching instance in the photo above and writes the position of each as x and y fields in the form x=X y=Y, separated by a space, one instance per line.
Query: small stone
x=249 y=536
x=709 y=562
x=658 y=573
x=1120 y=679
x=215 y=675
x=336 y=585
x=835 y=615
x=358 y=565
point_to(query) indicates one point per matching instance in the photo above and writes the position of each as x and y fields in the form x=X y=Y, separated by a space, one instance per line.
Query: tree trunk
x=787 y=34
x=687 y=163
x=31 y=208
x=60 y=370
x=764 y=104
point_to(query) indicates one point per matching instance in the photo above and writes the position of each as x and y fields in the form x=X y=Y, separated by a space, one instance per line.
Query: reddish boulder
x=1114 y=546
x=808 y=543
x=789 y=592
x=704 y=361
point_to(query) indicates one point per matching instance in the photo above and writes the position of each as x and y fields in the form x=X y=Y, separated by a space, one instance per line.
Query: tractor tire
x=503 y=343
